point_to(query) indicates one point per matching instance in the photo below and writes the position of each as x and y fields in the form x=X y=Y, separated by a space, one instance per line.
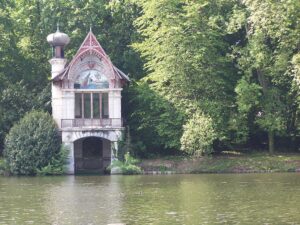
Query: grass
x=248 y=164
x=227 y=162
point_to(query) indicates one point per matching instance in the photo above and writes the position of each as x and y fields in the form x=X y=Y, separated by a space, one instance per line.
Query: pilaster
x=115 y=104
x=70 y=160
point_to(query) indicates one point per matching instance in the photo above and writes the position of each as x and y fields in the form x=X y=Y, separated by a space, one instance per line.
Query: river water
x=139 y=200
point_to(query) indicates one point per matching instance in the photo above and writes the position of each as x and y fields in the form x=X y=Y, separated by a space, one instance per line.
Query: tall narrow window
x=87 y=105
x=91 y=105
x=78 y=105
x=96 y=105
x=105 y=113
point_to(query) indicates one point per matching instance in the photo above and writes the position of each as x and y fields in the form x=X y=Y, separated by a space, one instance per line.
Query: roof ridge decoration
x=90 y=45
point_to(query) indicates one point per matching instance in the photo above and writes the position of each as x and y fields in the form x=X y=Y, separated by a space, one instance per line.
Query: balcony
x=94 y=123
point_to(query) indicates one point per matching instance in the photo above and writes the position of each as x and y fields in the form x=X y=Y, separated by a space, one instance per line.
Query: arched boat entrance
x=92 y=155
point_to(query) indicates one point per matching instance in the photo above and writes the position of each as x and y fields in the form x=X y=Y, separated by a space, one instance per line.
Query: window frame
x=91 y=103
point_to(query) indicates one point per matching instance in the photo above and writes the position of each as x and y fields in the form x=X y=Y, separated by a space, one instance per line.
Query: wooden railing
x=110 y=122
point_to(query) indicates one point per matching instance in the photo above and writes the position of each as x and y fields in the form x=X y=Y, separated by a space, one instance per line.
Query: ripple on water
x=136 y=200
x=171 y=213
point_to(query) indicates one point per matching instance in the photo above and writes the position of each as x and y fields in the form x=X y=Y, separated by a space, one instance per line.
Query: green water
x=169 y=199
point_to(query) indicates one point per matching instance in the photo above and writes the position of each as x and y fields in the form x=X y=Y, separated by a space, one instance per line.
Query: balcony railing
x=110 y=122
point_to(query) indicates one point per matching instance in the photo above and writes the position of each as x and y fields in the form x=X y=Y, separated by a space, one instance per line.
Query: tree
x=155 y=124
x=235 y=61
x=266 y=91
x=186 y=47
x=15 y=101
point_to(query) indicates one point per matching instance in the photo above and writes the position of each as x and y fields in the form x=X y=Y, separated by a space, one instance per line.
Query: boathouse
x=86 y=103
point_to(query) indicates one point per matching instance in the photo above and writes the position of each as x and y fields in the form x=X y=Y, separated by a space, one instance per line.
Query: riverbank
x=228 y=162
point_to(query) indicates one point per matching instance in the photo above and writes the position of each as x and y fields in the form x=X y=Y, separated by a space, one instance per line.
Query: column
x=114 y=154
x=114 y=151
x=70 y=160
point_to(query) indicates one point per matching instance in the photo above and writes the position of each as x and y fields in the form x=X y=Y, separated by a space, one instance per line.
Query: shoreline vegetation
x=226 y=162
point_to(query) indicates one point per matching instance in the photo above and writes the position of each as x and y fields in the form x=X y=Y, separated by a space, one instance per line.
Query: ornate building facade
x=86 y=103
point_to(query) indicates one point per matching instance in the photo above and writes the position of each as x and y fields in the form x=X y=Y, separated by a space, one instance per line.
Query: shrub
x=57 y=164
x=127 y=167
x=198 y=135
x=3 y=166
x=130 y=166
x=31 y=143
x=131 y=169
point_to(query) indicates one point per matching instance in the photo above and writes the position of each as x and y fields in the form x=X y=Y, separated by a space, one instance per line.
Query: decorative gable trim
x=91 y=46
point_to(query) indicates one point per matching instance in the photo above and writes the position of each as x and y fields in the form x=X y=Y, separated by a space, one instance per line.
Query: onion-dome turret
x=58 y=40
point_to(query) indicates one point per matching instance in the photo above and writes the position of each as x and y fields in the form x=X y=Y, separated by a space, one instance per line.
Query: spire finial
x=57 y=26
x=91 y=28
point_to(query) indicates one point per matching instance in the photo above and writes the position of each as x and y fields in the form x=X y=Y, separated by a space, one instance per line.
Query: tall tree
x=186 y=45
x=266 y=91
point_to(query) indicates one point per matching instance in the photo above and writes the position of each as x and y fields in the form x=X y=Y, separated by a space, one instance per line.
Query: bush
x=131 y=169
x=127 y=167
x=3 y=166
x=31 y=143
x=57 y=164
x=198 y=135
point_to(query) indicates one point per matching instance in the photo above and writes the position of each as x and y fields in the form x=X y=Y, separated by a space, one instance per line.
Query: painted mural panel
x=91 y=79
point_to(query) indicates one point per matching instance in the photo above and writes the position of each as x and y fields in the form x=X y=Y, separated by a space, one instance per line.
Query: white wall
x=57 y=66
x=68 y=104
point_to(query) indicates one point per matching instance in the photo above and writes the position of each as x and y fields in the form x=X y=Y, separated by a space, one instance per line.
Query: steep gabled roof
x=90 y=45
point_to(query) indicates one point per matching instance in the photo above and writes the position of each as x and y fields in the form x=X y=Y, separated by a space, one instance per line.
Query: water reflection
x=21 y=200
x=161 y=200
x=85 y=200
x=214 y=199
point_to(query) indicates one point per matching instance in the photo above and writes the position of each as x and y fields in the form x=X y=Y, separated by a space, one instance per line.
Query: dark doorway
x=90 y=158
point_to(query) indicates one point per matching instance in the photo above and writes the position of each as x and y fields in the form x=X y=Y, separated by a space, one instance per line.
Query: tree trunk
x=293 y=145
x=271 y=142
x=263 y=81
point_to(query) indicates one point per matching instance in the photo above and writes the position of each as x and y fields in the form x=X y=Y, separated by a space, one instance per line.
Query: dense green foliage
x=32 y=143
x=271 y=43
x=3 y=166
x=235 y=61
x=213 y=73
x=154 y=122
x=127 y=166
x=198 y=135
x=57 y=164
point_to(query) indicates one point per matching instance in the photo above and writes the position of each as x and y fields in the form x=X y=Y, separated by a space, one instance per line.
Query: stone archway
x=91 y=155
x=69 y=136
x=72 y=139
